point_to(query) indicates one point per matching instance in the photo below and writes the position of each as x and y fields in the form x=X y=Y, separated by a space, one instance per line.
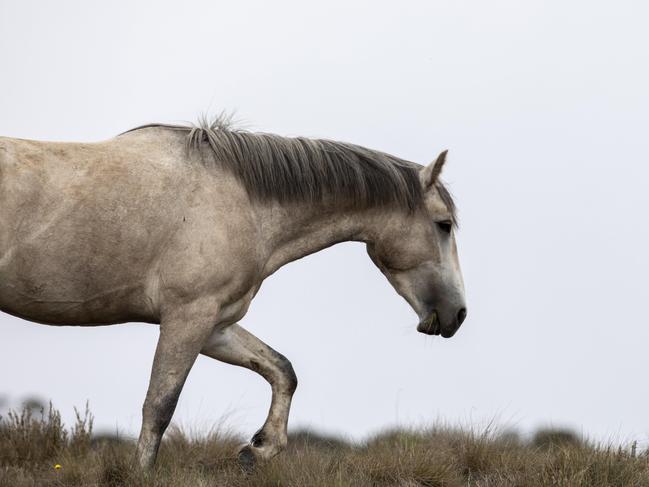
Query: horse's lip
x=448 y=334
x=430 y=325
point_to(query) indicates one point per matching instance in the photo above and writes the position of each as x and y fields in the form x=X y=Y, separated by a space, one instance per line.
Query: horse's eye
x=445 y=226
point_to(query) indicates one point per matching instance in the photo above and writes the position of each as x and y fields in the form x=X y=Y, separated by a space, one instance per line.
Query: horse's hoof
x=247 y=459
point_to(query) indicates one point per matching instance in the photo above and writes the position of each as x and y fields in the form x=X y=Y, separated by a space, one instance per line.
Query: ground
x=36 y=449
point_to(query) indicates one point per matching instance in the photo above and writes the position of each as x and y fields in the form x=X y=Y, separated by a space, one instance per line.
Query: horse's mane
x=294 y=169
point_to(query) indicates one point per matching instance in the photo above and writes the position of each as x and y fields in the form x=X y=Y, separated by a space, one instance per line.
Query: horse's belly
x=49 y=288
x=76 y=312
x=110 y=307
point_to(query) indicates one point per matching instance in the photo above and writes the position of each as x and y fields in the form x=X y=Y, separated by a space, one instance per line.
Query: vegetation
x=37 y=450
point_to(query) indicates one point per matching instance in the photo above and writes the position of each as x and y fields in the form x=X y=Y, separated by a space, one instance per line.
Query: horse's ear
x=430 y=173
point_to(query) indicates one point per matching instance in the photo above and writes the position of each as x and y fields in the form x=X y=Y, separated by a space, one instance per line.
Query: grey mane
x=300 y=169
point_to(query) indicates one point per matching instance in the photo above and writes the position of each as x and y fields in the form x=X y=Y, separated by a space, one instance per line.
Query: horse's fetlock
x=258 y=439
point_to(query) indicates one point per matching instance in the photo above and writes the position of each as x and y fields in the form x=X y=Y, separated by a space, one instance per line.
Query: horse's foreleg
x=236 y=346
x=181 y=337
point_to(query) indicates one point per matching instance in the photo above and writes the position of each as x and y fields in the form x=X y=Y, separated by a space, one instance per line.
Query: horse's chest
x=236 y=310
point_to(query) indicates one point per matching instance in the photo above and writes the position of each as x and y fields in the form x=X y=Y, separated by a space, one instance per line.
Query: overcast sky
x=544 y=107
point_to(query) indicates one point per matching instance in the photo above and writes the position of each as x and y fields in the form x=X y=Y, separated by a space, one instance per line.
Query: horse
x=179 y=225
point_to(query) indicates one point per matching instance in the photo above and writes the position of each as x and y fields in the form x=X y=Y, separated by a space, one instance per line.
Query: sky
x=544 y=108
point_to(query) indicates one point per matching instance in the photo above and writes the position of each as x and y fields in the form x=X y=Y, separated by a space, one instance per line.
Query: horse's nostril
x=461 y=315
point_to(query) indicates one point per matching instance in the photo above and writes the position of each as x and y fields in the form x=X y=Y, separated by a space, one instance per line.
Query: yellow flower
x=57 y=467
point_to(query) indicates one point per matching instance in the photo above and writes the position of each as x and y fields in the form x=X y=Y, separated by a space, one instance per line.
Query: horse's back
x=82 y=226
x=95 y=233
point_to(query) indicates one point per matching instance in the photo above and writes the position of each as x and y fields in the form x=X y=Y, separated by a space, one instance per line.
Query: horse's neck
x=290 y=232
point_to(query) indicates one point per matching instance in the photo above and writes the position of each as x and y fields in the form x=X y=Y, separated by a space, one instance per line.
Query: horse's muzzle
x=431 y=325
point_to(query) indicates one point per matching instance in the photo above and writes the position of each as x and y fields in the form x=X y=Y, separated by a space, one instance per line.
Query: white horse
x=179 y=226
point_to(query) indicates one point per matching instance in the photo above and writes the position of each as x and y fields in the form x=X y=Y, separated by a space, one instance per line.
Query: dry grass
x=31 y=444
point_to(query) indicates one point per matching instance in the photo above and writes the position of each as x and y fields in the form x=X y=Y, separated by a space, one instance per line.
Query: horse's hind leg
x=236 y=346
x=182 y=334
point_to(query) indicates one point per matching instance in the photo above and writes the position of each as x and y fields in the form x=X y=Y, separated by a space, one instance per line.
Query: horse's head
x=418 y=255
